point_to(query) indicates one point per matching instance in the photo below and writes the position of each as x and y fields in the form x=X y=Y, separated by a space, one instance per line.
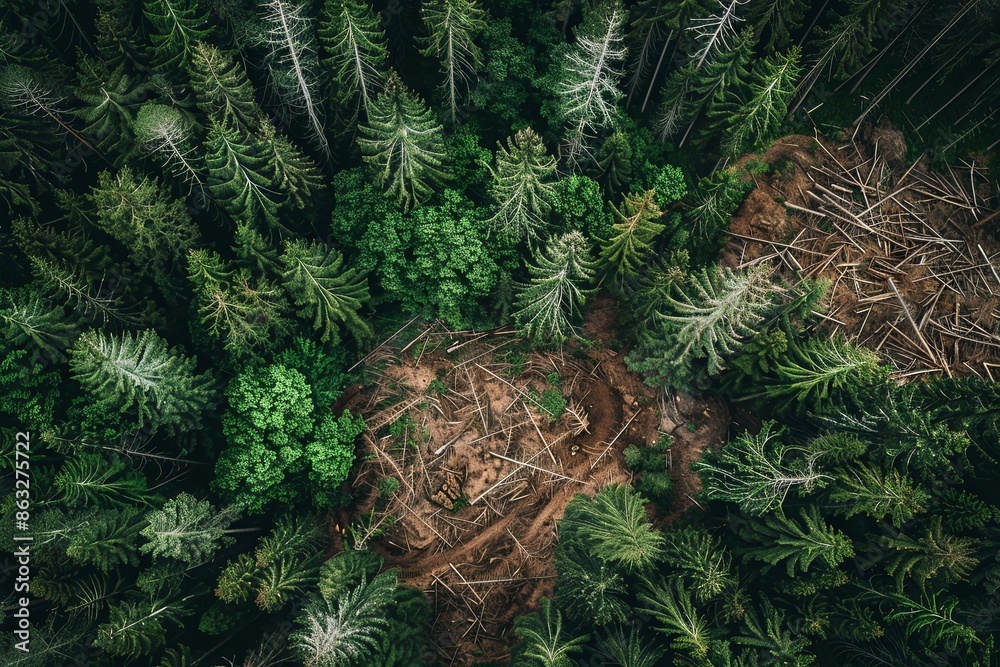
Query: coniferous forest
x=539 y=333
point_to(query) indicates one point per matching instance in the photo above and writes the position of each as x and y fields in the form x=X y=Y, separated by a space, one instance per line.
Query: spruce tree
x=27 y=318
x=452 y=27
x=163 y=130
x=672 y=606
x=222 y=89
x=178 y=25
x=544 y=640
x=139 y=212
x=295 y=175
x=239 y=175
x=404 y=144
x=519 y=188
x=294 y=63
x=624 y=253
x=756 y=122
x=109 y=99
x=865 y=488
x=349 y=629
x=140 y=373
x=356 y=50
x=324 y=289
x=936 y=556
x=548 y=305
x=778 y=538
x=707 y=320
x=187 y=529
x=588 y=88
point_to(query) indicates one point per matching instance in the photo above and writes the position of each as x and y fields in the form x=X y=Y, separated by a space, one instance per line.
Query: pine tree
x=931 y=619
x=90 y=478
x=289 y=34
x=714 y=33
x=587 y=588
x=549 y=304
x=757 y=472
x=702 y=561
x=623 y=254
x=356 y=50
x=349 y=629
x=452 y=27
x=324 y=290
x=613 y=163
x=707 y=321
x=631 y=650
x=543 y=640
x=719 y=83
x=673 y=608
x=107 y=540
x=780 y=644
x=141 y=214
x=27 y=318
x=178 y=26
x=222 y=88
x=295 y=175
x=109 y=98
x=614 y=528
x=89 y=301
x=187 y=529
x=937 y=556
x=825 y=375
x=519 y=188
x=135 y=629
x=780 y=538
x=404 y=145
x=588 y=89
x=163 y=130
x=866 y=489
x=139 y=372
x=756 y=122
x=239 y=175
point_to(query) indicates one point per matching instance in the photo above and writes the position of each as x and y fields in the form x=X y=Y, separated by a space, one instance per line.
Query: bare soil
x=454 y=427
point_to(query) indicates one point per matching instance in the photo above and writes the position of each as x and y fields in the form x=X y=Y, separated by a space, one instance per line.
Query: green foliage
x=519 y=189
x=508 y=72
x=588 y=589
x=239 y=174
x=708 y=320
x=757 y=121
x=222 y=89
x=548 y=306
x=624 y=253
x=28 y=392
x=867 y=489
x=324 y=290
x=452 y=27
x=355 y=48
x=331 y=454
x=347 y=629
x=403 y=144
x=109 y=97
x=177 y=24
x=651 y=462
x=187 y=529
x=543 y=640
x=552 y=403
x=679 y=618
x=613 y=527
x=579 y=205
x=758 y=471
x=936 y=557
x=701 y=560
x=141 y=375
x=777 y=538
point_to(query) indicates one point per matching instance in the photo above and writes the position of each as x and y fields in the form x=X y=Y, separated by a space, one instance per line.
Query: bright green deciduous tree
x=452 y=27
x=548 y=305
x=139 y=373
x=404 y=144
x=356 y=50
x=325 y=290
x=331 y=454
x=638 y=224
x=519 y=186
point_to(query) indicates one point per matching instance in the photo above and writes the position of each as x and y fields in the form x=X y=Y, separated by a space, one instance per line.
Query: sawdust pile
x=912 y=254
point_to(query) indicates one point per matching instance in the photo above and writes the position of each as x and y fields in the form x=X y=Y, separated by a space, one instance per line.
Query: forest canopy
x=231 y=231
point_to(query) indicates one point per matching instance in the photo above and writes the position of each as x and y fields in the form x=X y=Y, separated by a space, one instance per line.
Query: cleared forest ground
x=484 y=473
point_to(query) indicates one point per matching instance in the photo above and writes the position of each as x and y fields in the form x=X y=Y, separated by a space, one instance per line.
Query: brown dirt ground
x=491 y=560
